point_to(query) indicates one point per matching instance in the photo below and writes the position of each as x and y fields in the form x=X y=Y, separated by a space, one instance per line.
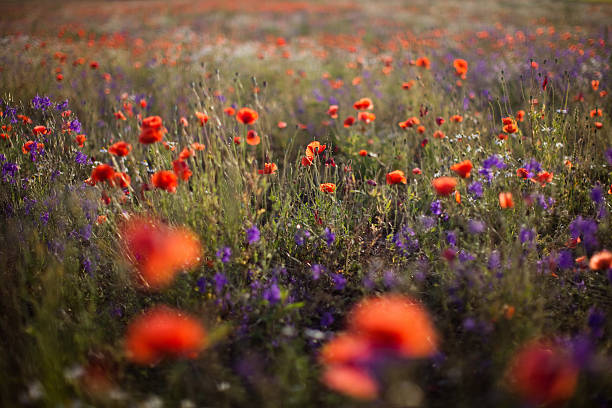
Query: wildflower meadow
x=305 y=203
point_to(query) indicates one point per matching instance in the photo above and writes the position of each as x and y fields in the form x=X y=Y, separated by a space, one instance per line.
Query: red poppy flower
x=252 y=138
x=438 y=134
x=506 y=200
x=461 y=67
x=281 y=125
x=352 y=381
x=269 y=168
x=543 y=178
x=247 y=116
x=120 y=149
x=522 y=173
x=463 y=168
x=328 y=187
x=333 y=111
x=181 y=169
x=27 y=146
x=444 y=185
x=520 y=115
x=120 y=116
x=151 y=130
x=157 y=251
x=396 y=177
x=366 y=117
x=396 y=323
x=348 y=122
x=363 y=104
x=456 y=118
x=202 y=117
x=229 y=111
x=165 y=180
x=307 y=161
x=408 y=85
x=40 y=130
x=601 y=260
x=314 y=148
x=163 y=332
x=423 y=62
x=102 y=172
x=80 y=139
x=363 y=153
x=187 y=153
x=543 y=374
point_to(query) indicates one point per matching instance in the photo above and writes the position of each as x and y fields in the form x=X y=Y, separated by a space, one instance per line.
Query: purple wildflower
x=330 y=237
x=475 y=189
x=220 y=282
x=476 y=226
x=253 y=235
x=224 y=254
x=81 y=158
x=436 y=207
x=339 y=281
x=272 y=294
x=526 y=235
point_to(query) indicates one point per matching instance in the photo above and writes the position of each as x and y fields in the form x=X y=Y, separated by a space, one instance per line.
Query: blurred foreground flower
x=164 y=332
x=543 y=373
x=393 y=326
x=158 y=251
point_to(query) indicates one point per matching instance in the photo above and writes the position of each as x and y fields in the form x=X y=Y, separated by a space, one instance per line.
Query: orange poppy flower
x=363 y=153
x=202 y=117
x=543 y=178
x=397 y=323
x=601 y=260
x=456 y=118
x=363 y=104
x=157 y=251
x=281 y=125
x=352 y=381
x=229 y=111
x=181 y=169
x=457 y=197
x=595 y=112
x=120 y=116
x=595 y=84
x=598 y=125
x=40 y=130
x=237 y=140
x=186 y=153
x=269 y=168
x=198 y=146
x=463 y=168
x=506 y=200
x=247 y=116
x=444 y=185
x=423 y=62
x=438 y=134
x=543 y=374
x=163 y=332
x=80 y=139
x=345 y=348
x=520 y=115
x=510 y=128
x=522 y=173
x=366 y=117
x=252 y=138
x=348 y=122
x=101 y=173
x=120 y=149
x=183 y=121
x=333 y=111
x=421 y=129
x=328 y=187
x=461 y=67
x=165 y=180
x=27 y=146
x=408 y=85
x=151 y=130
x=314 y=148
x=396 y=177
